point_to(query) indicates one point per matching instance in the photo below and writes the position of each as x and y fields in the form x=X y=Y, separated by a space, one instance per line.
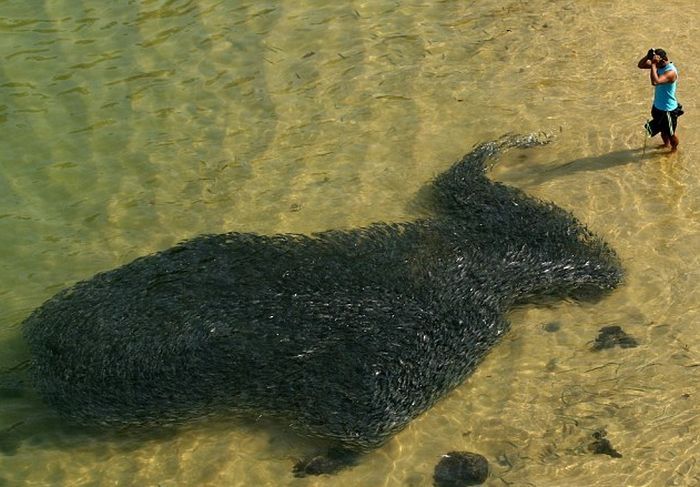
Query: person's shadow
x=527 y=176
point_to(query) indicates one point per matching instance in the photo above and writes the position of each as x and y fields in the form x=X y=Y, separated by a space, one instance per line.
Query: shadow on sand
x=586 y=164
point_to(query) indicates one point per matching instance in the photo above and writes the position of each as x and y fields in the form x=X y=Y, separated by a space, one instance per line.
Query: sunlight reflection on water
x=130 y=127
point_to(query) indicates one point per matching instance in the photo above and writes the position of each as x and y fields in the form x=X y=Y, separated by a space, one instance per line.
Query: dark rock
x=610 y=336
x=552 y=327
x=457 y=469
x=332 y=462
x=602 y=446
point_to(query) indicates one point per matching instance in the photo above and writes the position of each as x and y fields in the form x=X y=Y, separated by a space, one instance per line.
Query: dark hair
x=661 y=53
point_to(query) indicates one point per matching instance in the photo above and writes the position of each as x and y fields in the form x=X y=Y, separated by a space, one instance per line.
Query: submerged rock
x=332 y=462
x=611 y=336
x=602 y=446
x=458 y=469
x=552 y=327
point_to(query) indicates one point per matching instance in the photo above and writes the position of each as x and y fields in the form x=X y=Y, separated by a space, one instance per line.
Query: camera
x=650 y=54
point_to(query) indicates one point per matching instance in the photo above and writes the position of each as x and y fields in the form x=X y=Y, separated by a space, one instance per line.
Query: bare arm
x=667 y=77
x=644 y=63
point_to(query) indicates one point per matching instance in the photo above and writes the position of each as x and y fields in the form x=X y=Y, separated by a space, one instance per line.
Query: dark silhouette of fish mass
x=345 y=335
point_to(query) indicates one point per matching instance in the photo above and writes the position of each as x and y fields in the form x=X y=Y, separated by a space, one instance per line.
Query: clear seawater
x=126 y=127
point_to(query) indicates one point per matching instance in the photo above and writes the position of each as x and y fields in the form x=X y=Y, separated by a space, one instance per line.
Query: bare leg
x=674 y=143
x=666 y=139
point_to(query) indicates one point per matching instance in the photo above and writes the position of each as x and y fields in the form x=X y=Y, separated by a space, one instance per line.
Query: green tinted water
x=129 y=126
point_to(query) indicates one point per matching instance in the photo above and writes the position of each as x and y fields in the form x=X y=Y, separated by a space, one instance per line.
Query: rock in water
x=459 y=469
x=344 y=335
x=609 y=336
x=331 y=462
x=602 y=446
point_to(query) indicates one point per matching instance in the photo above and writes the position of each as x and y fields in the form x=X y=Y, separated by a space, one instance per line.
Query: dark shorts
x=662 y=122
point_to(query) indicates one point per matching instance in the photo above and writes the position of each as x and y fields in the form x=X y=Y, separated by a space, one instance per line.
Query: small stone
x=552 y=327
x=609 y=336
x=457 y=469
x=602 y=446
x=332 y=462
x=314 y=466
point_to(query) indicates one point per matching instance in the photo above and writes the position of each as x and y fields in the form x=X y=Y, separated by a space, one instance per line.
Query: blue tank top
x=665 y=94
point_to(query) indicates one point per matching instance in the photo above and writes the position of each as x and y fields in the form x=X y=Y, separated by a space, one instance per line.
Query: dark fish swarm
x=346 y=335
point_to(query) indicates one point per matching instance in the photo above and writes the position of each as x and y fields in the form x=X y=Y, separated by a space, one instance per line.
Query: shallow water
x=129 y=127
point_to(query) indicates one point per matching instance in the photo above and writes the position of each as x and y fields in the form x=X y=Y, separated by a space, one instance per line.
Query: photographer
x=665 y=109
